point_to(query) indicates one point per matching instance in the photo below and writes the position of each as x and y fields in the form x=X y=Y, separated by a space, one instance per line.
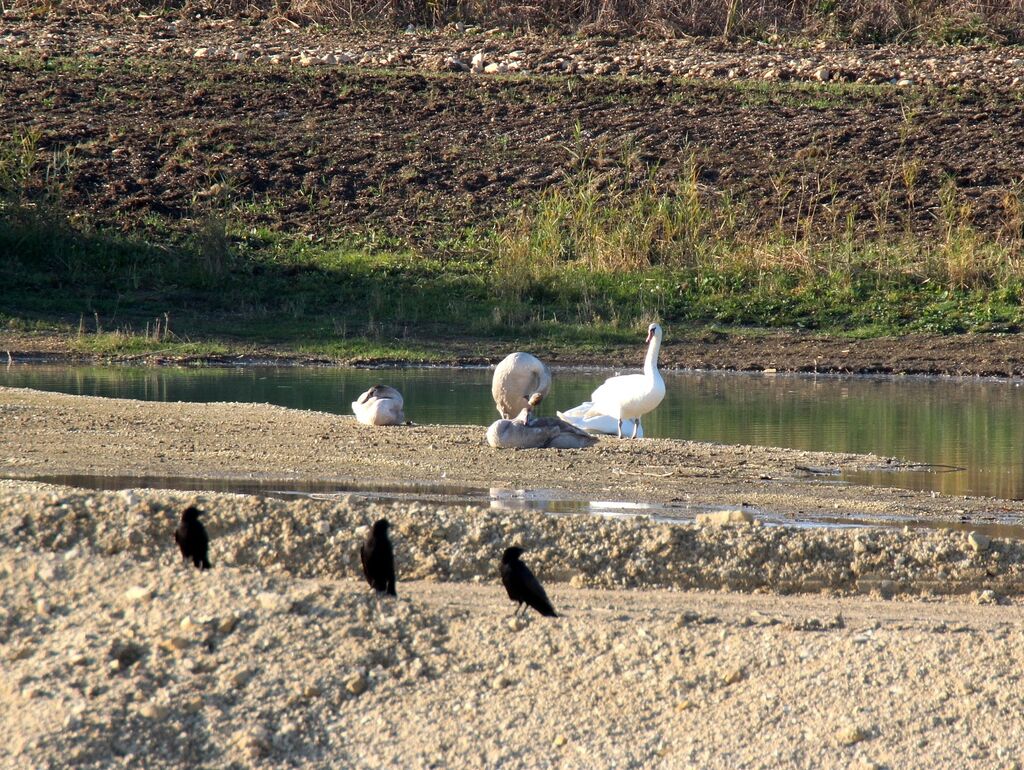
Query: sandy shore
x=114 y=654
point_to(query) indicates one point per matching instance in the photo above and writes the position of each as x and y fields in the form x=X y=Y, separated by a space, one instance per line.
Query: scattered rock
x=152 y=710
x=272 y=602
x=850 y=734
x=137 y=594
x=356 y=683
x=719 y=518
x=978 y=541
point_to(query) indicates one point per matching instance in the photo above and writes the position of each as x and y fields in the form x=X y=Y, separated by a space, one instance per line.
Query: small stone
x=188 y=625
x=978 y=541
x=329 y=59
x=240 y=55
x=732 y=676
x=138 y=594
x=859 y=547
x=192 y=704
x=176 y=643
x=850 y=734
x=685 y=705
x=517 y=623
x=238 y=678
x=201 y=53
x=718 y=518
x=305 y=60
x=903 y=82
x=477 y=63
x=227 y=624
x=311 y=691
x=500 y=682
x=822 y=74
x=356 y=683
x=988 y=596
x=451 y=64
x=42 y=607
x=272 y=602
x=154 y=711
x=496 y=68
x=255 y=742
x=322 y=527
x=560 y=740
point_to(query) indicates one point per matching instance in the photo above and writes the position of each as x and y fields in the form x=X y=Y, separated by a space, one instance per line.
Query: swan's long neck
x=651 y=362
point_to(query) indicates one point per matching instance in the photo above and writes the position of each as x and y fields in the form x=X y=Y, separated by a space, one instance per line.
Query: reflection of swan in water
x=517 y=378
x=582 y=417
x=630 y=396
x=380 y=405
x=538 y=433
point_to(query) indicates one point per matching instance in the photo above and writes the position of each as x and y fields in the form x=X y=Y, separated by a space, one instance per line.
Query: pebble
x=850 y=734
x=356 y=683
x=238 y=678
x=188 y=625
x=138 y=594
x=227 y=624
x=978 y=541
x=272 y=602
x=732 y=676
x=719 y=518
x=152 y=710
x=500 y=682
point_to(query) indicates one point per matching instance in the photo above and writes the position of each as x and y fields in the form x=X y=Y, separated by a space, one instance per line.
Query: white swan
x=525 y=432
x=380 y=405
x=518 y=377
x=582 y=417
x=631 y=396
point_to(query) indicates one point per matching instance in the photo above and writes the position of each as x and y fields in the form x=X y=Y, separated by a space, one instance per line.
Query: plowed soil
x=409 y=150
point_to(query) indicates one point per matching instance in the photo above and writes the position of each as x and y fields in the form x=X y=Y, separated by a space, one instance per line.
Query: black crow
x=192 y=538
x=378 y=559
x=522 y=585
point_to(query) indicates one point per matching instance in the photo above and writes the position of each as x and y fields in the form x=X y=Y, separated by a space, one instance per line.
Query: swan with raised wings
x=380 y=405
x=628 y=396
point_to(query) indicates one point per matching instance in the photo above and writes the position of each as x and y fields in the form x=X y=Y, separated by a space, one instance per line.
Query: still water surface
x=976 y=425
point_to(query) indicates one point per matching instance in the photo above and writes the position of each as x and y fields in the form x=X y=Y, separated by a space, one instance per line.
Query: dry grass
x=954 y=21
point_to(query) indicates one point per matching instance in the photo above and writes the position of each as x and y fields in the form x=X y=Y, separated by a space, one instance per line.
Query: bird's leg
x=636 y=426
x=620 y=427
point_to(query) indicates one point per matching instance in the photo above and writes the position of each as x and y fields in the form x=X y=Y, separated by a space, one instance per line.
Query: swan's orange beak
x=650 y=335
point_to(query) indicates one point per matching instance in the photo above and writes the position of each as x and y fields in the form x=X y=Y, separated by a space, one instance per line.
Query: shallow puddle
x=543 y=500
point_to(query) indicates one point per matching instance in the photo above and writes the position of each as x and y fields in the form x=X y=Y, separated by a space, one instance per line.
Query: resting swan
x=538 y=433
x=516 y=379
x=630 y=396
x=380 y=405
x=581 y=417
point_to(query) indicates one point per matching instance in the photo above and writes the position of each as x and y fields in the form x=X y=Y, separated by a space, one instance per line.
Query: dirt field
x=393 y=142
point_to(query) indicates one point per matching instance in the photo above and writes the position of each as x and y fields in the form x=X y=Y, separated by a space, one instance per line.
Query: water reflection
x=970 y=423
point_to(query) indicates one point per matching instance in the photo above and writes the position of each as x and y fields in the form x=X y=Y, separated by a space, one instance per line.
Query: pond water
x=967 y=434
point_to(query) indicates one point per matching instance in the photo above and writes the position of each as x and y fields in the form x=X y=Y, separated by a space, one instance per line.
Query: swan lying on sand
x=583 y=417
x=628 y=396
x=517 y=378
x=538 y=433
x=380 y=405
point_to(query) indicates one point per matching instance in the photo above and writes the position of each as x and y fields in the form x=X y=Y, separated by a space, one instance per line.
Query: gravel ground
x=116 y=654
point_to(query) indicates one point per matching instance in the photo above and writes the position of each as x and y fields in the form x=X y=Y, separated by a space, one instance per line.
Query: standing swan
x=631 y=396
x=380 y=405
x=518 y=377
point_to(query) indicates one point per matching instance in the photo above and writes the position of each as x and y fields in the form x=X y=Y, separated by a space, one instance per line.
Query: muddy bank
x=982 y=355
x=50 y=433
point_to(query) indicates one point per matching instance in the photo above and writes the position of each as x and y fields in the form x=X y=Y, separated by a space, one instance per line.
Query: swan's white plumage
x=380 y=405
x=583 y=417
x=516 y=379
x=631 y=396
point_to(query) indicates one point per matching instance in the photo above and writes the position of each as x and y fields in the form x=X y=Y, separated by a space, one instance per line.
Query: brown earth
x=410 y=151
